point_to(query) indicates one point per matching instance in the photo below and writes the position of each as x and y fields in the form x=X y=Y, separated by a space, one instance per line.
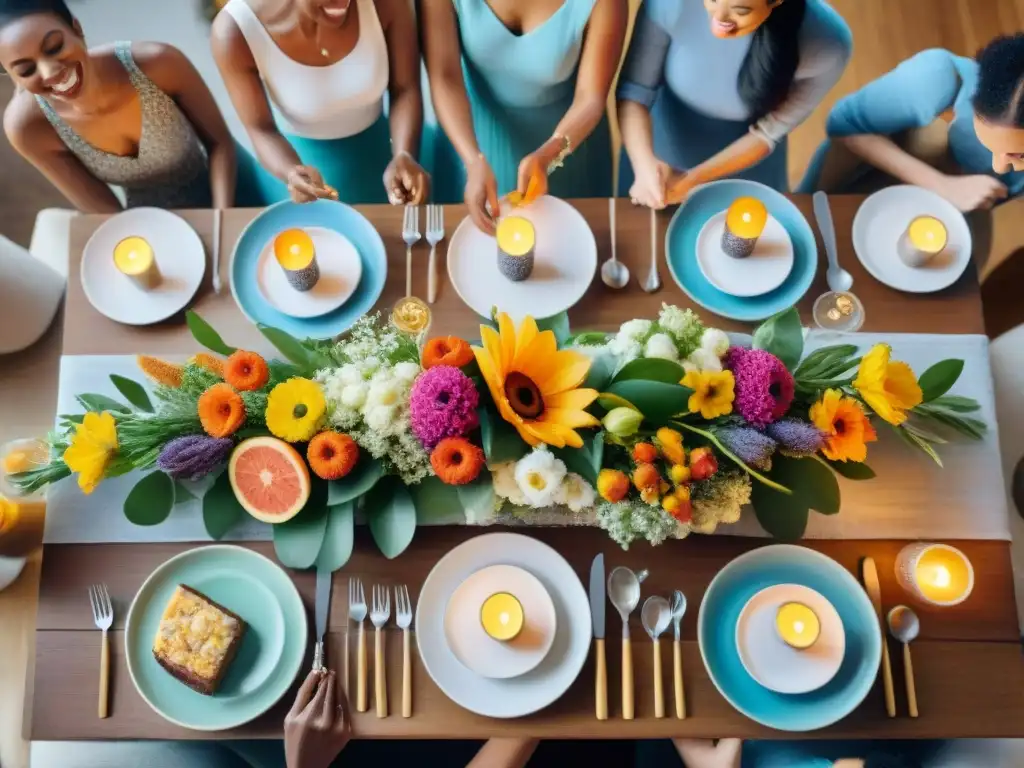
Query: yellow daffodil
x=534 y=384
x=713 y=392
x=91 y=449
x=846 y=426
x=295 y=409
x=889 y=388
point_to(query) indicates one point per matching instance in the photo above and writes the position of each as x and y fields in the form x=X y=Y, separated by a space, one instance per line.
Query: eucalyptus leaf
x=436 y=501
x=97 y=403
x=297 y=542
x=72 y=418
x=391 y=515
x=221 y=510
x=651 y=369
x=290 y=347
x=133 y=392
x=150 y=501
x=557 y=324
x=656 y=400
x=339 y=537
x=478 y=498
x=820 y=359
x=965 y=425
x=956 y=403
x=585 y=461
x=602 y=368
x=203 y=332
x=357 y=482
x=182 y=495
x=919 y=442
x=813 y=486
x=938 y=379
x=852 y=470
x=783 y=336
x=501 y=442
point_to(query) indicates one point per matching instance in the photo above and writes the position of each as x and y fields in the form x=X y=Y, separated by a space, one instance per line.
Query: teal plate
x=681 y=250
x=268 y=660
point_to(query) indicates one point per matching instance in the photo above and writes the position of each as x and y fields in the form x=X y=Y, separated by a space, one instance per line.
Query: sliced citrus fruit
x=269 y=478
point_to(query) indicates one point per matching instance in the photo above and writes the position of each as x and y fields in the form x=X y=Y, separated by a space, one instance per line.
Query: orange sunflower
x=534 y=384
x=846 y=427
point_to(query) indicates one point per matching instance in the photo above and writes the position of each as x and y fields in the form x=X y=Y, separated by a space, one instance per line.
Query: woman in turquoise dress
x=940 y=121
x=520 y=87
x=308 y=78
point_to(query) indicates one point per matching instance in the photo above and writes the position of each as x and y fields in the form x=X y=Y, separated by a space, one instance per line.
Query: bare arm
x=404 y=97
x=504 y=753
x=174 y=74
x=31 y=134
x=637 y=134
x=883 y=153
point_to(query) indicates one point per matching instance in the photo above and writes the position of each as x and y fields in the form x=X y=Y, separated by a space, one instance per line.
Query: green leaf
x=852 y=470
x=478 y=498
x=98 y=403
x=182 y=495
x=150 y=501
x=589 y=339
x=203 y=332
x=392 y=516
x=246 y=432
x=651 y=369
x=602 y=368
x=361 y=479
x=133 y=392
x=965 y=425
x=610 y=402
x=813 y=486
x=656 y=400
x=783 y=522
x=297 y=542
x=71 y=418
x=338 y=537
x=821 y=359
x=120 y=465
x=585 y=461
x=557 y=324
x=711 y=438
x=290 y=347
x=956 y=403
x=500 y=440
x=783 y=336
x=221 y=510
x=938 y=379
x=435 y=500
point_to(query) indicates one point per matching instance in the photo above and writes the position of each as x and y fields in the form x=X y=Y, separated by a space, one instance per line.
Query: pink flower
x=442 y=404
x=764 y=387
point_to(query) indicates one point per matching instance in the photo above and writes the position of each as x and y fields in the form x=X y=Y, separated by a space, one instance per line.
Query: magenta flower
x=442 y=404
x=764 y=387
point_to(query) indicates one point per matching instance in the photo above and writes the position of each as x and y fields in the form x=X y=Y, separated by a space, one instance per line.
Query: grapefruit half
x=269 y=478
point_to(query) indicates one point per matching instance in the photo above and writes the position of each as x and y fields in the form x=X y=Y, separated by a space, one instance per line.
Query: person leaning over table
x=520 y=88
x=131 y=115
x=810 y=753
x=712 y=92
x=944 y=122
x=308 y=79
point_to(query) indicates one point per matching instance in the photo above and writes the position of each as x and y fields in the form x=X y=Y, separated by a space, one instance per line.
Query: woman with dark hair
x=940 y=121
x=713 y=91
x=131 y=115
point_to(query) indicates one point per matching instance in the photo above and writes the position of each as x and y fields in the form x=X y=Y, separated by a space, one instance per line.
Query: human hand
x=481 y=193
x=317 y=727
x=650 y=187
x=305 y=184
x=533 y=177
x=406 y=181
x=680 y=184
x=704 y=753
x=970 y=193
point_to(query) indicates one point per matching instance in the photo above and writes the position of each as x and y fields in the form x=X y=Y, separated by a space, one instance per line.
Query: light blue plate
x=248 y=584
x=321 y=213
x=747 y=575
x=681 y=250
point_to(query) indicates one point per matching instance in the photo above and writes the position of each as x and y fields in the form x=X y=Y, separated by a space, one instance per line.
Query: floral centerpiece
x=664 y=428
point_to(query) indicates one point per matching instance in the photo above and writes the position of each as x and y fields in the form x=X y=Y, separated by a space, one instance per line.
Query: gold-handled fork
x=411 y=236
x=403 y=617
x=380 y=612
x=103 y=616
x=435 y=234
x=357 y=613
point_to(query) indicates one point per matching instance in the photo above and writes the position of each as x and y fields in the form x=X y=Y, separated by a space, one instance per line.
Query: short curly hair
x=999 y=96
x=12 y=10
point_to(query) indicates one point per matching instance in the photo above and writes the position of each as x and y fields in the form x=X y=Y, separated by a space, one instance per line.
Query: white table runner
x=911 y=497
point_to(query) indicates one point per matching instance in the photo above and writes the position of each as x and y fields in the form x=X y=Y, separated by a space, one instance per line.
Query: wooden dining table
x=968 y=661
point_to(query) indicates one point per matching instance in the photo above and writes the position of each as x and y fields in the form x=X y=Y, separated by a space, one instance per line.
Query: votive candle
x=501 y=616
x=744 y=223
x=937 y=574
x=134 y=258
x=411 y=315
x=516 y=240
x=924 y=239
x=294 y=251
x=798 y=625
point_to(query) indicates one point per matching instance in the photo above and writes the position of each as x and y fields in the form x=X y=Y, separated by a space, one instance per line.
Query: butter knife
x=869 y=574
x=597 y=604
x=322 y=612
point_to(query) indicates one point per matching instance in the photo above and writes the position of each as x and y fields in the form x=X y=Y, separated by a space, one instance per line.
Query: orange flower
x=221 y=411
x=670 y=442
x=246 y=371
x=160 y=371
x=332 y=455
x=644 y=453
x=646 y=477
x=446 y=350
x=846 y=426
x=612 y=484
x=208 y=362
x=457 y=461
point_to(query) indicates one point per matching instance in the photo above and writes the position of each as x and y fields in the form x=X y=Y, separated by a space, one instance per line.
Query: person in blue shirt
x=944 y=122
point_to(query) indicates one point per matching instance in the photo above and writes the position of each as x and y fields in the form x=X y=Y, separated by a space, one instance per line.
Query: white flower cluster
x=677 y=335
x=540 y=479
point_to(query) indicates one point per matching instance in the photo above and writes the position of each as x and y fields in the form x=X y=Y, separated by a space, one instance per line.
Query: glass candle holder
x=936 y=574
x=838 y=311
x=134 y=258
x=797 y=625
x=501 y=616
x=923 y=240
x=411 y=315
x=744 y=223
x=296 y=254
x=516 y=239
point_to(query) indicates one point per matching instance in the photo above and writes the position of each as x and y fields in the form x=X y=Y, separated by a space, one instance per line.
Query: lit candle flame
x=941 y=577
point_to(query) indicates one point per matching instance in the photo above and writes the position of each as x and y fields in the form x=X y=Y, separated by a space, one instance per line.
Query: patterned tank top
x=170 y=169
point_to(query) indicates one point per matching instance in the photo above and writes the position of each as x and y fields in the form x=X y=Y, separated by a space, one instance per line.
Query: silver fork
x=103 y=615
x=380 y=612
x=435 y=234
x=403 y=617
x=357 y=613
x=411 y=236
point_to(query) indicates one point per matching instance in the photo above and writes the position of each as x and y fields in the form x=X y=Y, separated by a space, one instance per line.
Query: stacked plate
x=491 y=677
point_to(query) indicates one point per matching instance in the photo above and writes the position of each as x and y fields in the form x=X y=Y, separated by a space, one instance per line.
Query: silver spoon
x=905 y=626
x=614 y=273
x=653 y=282
x=656 y=616
x=624 y=592
x=838 y=279
x=678 y=609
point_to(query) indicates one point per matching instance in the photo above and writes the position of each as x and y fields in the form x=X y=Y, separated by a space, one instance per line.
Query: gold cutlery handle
x=380 y=690
x=890 y=696
x=432 y=275
x=406 y=675
x=600 y=680
x=102 y=708
x=345 y=664
x=627 y=680
x=361 y=704
x=408 y=270
x=677 y=675
x=908 y=672
x=659 y=691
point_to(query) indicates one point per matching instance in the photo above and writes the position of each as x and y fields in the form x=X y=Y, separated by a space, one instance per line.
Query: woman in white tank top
x=308 y=79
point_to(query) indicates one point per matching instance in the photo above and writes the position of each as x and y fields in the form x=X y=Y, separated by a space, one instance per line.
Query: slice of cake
x=197 y=639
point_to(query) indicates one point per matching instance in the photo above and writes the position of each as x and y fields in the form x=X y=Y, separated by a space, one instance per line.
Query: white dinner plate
x=482 y=653
x=885 y=216
x=565 y=261
x=179 y=256
x=340 y=270
x=762 y=271
x=780 y=667
x=538 y=688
